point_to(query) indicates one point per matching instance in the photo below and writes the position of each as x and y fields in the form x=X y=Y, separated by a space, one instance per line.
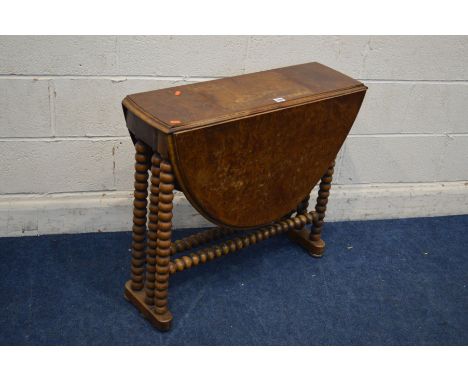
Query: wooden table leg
x=321 y=206
x=302 y=207
x=151 y=251
x=152 y=301
x=139 y=216
x=163 y=250
x=312 y=240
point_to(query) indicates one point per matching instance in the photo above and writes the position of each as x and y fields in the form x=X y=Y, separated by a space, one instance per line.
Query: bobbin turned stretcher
x=246 y=151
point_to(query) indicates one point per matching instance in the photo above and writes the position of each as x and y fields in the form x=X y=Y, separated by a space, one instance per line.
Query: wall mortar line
x=52 y=95
x=120 y=77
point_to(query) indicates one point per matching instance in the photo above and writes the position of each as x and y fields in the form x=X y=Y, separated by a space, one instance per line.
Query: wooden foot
x=137 y=298
x=302 y=237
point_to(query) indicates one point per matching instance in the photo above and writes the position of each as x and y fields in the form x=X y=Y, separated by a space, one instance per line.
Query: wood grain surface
x=212 y=102
x=246 y=150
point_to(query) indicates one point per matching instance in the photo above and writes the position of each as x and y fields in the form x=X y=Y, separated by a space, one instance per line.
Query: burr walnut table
x=246 y=151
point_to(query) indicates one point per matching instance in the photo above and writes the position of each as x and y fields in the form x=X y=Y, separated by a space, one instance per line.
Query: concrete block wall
x=67 y=161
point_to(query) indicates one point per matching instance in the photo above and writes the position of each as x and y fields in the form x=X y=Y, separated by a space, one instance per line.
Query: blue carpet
x=393 y=282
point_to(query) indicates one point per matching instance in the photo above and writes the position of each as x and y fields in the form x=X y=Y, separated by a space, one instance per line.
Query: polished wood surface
x=213 y=102
x=267 y=163
x=246 y=151
x=249 y=159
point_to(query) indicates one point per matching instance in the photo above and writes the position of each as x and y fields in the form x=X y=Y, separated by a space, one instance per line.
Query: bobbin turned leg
x=152 y=230
x=320 y=208
x=302 y=207
x=152 y=301
x=163 y=245
x=139 y=216
x=312 y=241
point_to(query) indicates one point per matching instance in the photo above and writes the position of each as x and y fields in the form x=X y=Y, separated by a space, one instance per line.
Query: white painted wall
x=66 y=159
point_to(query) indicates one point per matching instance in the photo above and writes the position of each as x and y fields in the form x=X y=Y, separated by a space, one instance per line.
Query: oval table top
x=246 y=150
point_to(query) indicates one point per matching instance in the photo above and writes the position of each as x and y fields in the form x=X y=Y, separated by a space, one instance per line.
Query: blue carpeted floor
x=394 y=282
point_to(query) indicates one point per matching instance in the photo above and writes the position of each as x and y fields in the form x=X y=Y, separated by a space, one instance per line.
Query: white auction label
x=279 y=99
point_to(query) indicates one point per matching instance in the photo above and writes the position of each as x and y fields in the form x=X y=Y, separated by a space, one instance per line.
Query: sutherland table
x=246 y=151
